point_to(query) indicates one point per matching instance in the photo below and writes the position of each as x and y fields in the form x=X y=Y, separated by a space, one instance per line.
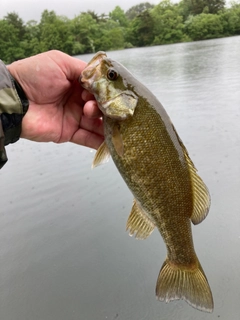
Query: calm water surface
x=64 y=252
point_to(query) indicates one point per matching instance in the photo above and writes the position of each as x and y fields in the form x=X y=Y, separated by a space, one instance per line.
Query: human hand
x=60 y=110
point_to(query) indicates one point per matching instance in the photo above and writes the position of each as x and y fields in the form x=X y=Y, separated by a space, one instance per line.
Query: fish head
x=109 y=82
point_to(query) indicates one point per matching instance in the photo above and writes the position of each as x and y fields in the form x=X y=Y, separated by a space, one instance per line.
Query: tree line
x=142 y=25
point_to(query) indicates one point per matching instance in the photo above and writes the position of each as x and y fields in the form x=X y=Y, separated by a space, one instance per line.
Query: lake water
x=64 y=252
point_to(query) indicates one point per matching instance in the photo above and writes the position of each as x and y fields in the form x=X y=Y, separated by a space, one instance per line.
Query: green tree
x=119 y=16
x=112 y=39
x=231 y=20
x=55 y=33
x=31 y=42
x=134 y=11
x=194 y=7
x=110 y=36
x=168 y=23
x=10 y=49
x=204 y=26
x=85 y=31
x=141 y=32
x=15 y=41
x=14 y=19
x=94 y=15
x=214 y=6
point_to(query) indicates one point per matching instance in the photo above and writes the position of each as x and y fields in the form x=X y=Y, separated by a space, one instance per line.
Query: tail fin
x=189 y=284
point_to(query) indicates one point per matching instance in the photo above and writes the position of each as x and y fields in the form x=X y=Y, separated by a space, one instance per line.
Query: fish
x=153 y=161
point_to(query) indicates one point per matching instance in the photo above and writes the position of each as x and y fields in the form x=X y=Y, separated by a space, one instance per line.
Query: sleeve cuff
x=13 y=106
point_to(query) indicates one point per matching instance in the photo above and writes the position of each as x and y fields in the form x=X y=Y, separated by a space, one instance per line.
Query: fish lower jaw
x=84 y=83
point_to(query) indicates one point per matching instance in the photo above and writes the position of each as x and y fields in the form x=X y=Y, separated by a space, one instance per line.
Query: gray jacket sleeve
x=13 y=106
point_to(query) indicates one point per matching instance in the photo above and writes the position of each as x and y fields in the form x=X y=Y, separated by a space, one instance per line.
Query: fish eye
x=112 y=74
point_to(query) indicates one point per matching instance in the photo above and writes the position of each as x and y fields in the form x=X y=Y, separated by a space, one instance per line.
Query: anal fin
x=139 y=223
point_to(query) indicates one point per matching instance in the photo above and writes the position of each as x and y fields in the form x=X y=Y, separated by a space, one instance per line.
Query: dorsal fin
x=201 y=196
x=101 y=156
x=139 y=223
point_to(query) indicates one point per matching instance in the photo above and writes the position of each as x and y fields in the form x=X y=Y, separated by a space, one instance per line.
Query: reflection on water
x=64 y=251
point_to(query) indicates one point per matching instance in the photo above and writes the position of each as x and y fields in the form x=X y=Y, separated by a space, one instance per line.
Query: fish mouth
x=90 y=73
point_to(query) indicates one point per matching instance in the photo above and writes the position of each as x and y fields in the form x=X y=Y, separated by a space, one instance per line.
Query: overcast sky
x=32 y=9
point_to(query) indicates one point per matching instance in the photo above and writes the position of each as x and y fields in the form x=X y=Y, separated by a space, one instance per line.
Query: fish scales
x=155 y=165
x=149 y=185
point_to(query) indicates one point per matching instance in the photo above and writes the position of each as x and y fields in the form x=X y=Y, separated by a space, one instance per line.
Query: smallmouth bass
x=150 y=156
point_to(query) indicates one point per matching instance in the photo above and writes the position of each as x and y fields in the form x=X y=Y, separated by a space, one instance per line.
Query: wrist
x=13 y=106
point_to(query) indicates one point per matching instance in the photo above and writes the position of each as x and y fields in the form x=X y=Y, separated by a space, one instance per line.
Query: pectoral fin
x=139 y=223
x=102 y=155
x=117 y=140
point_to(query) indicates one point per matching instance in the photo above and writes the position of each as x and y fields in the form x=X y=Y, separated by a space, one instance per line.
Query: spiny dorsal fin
x=101 y=156
x=139 y=223
x=187 y=283
x=201 y=196
x=117 y=140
